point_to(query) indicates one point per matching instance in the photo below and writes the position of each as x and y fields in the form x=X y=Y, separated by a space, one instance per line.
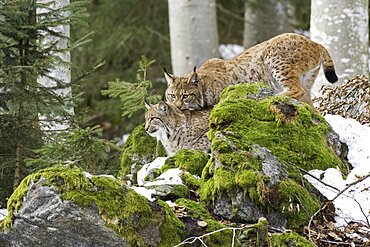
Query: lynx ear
x=147 y=104
x=194 y=77
x=168 y=76
x=163 y=106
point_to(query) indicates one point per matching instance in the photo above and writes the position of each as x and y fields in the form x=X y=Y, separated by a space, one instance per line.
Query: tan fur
x=177 y=129
x=289 y=63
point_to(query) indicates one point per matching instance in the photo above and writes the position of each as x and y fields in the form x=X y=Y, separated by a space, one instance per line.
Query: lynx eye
x=172 y=96
x=185 y=96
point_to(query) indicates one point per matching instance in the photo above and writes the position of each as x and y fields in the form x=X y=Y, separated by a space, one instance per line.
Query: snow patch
x=88 y=175
x=147 y=193
x=148 y=168
x=354 y=203
x=171 y=176
x=3 y=213
x=230 y=50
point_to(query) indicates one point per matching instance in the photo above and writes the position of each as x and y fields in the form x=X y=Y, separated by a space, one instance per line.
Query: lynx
x=177 y=129
x=289 y=63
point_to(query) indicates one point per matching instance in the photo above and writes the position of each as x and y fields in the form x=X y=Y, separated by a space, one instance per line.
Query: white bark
x=61 y=71
x=193 y=32
x=264 y=20
x=342 y=27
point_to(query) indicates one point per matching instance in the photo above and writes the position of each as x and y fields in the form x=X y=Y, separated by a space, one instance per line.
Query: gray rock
x=271 y=166
x=239 y=208
x=170 y=191
x=45 y=220
x=339 y=148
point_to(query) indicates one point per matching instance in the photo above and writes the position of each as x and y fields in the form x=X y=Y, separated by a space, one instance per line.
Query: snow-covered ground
x=354 y=203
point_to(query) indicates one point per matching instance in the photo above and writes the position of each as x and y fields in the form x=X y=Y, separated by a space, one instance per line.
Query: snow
x=147 y=193
x=354 y=203
x=3 y=213
x=171 y=176
x=230 y=50
x=88 y=175
x=147 y=168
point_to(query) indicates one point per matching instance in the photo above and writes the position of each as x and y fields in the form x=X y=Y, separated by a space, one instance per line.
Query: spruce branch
x=132 y=94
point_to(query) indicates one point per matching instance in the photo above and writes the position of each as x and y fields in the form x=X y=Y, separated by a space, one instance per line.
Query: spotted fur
x=177 y=129
x=289 y=63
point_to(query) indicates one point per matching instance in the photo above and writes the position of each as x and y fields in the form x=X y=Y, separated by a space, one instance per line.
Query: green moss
x=121 y=208
x=247 y=180
x=192 y=161
x=300 y=141
x=172 y=230
x=140 y=148
x=190 y=180
x=59 y=176
x=289 y=239
x=296 y=203
x=293 y=133
x=198 y=211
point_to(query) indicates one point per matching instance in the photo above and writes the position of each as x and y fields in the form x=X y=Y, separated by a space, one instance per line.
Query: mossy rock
x=131 y=216
x=192 y=161
x=256 y=138
x=139 y=149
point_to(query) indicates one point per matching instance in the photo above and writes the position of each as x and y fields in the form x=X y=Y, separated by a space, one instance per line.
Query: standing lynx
x=289 y=63
x=177 y=129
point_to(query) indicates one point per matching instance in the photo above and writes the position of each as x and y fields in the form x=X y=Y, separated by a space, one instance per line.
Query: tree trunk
x=264 y=20
x=193 y=32
x=61 y=72
x=342 y=27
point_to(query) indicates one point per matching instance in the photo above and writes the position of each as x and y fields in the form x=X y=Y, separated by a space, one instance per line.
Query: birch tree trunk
x=342 y=27
x=264 y=20
x=193 y=33
x=61 y=72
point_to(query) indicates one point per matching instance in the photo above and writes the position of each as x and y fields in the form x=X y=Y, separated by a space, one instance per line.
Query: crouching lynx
x=177 y=129
x=289 y=63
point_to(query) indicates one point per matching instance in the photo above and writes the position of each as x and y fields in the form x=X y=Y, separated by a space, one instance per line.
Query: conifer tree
x=23 y=59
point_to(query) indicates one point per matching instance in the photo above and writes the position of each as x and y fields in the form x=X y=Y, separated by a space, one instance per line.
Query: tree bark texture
x=61 y=71
x=342 y=27
x=264 y=20
x=193 y=33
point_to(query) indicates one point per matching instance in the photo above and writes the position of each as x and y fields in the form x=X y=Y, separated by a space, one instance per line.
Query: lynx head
x=185 y=91
x=158 y=120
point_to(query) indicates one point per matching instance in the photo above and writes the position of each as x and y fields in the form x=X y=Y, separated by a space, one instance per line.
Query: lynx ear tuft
x=195 y=69
x=194 y=78
x=168 y=76
x=147 y=104
x=163 y=106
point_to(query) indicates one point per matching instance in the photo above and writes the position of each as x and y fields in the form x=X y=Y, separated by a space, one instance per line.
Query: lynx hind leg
x=290 y=84
x=307 y=81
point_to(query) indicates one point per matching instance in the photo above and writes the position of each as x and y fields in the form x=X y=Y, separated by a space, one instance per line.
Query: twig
x=307 y=173
x=193 y=239
x=332 y=200
x=338 y=243
x=362 y=211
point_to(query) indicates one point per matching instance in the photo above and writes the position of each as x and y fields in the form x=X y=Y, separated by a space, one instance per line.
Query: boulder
x=261 y=146
x=61 y=206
